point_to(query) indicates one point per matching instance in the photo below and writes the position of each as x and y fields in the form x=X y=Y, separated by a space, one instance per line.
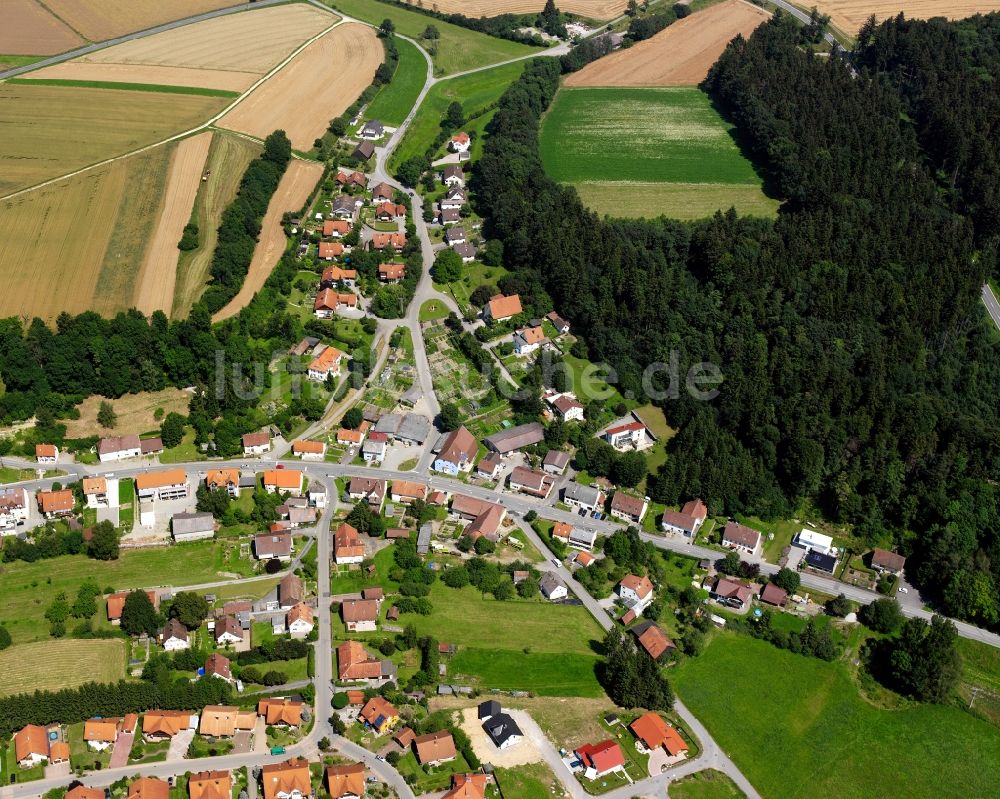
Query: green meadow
x=396 y=98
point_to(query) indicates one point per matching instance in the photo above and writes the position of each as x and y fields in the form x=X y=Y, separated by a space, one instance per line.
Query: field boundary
x=119 y=86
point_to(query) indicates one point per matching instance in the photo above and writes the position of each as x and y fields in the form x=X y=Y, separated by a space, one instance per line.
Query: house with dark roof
x=488 y=708
x=364 y=151
x=821 y=562
x=628 y=508
x=771 y=594
x=457 y=453
x=515 y=438
x=741 y=538
x=373 y=130
x=590 y=498
x=555 y=461
x=886 y=562
x=503 y=730
x=731 y=592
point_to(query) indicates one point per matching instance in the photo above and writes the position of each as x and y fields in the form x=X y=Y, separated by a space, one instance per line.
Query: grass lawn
x=474 y=275
x=433 y=309
x=11 y=768
x=429 y=779
x=60 y=663
x=126 y=504
x=184 y=452
x=532 y=781
x=797 y=726
x=349 y=581
x=82 y=756
x=681 y=160
x=543 y=673
x=474 y=92
x=589 y=382
x=707 y=784
x=458 y=48
x=396 y=98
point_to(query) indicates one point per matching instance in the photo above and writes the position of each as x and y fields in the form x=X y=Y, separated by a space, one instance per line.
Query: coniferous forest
x=860 y=369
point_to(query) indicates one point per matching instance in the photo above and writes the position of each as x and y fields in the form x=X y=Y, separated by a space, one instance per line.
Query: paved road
x=990 y=301
x=803 y=16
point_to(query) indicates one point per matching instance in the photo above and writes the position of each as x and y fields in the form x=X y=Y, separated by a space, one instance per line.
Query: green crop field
x=797 y=726
x=65 y=663
x=475 y=92
x=396 y=98
x=647 y=152
x=458 y=49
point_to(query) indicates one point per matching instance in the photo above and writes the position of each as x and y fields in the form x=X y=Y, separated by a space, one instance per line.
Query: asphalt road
x=990 y=301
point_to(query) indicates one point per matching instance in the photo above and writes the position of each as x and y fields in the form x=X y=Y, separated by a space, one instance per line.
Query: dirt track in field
x=296 y=184
x=28 y=29
x=316 y=86
x=158 y=276
x=105 y=19
x=680 y=55
x=148 y=73
x=594 y=9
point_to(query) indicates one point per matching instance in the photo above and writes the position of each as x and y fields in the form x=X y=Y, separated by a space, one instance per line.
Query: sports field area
x=458 y=48
x=61 y=663
x=797 y=726
x=396 y=98
x=649 y=152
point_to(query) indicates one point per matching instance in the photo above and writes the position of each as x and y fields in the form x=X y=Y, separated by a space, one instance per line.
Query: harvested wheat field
x=316 y=86
x=593 y=9
x=147 y=73
x=49 y=131
x=77 y=244
x=28 y=29
x=158 y=275
x=850 y=15
x=252 y=42
x=105 y=19
x=294 y=189
x=679 y=55
x=136 y=412
x=228 y=158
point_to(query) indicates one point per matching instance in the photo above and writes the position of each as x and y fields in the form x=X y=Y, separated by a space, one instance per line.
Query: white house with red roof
x=601 y=759
x=635 y=592
x=460 y=143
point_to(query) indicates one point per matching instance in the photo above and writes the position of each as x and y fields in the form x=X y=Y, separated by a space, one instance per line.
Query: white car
x=903 y=589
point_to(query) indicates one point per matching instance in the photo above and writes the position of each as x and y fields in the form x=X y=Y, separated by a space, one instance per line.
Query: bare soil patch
x=316 y=86
x=594 y=9
x=523 y=753
x=148 y=73
x=158 y=276
x=680 y=55
x=252 y=42
x=135 y=413
x=850 y=15
x=104 y=19
x=296 y=184
x=28 y=29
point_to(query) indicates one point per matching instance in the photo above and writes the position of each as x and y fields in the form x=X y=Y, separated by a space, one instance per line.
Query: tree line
x=848 y=330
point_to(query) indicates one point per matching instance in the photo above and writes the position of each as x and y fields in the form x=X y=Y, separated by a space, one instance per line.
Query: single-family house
x=650 y=637
x=434 y=748
x=771 y=594
x=14 y=508
x=280 y=712
x=387 y=211
x=227 y=480
x=256 y=443
x=371 y=489
x=489 y=466
x=359 y=615
x=382 y=192
x=583 y=558
x=566 y=406
x=162 y=725
x=328 y=250
x=591 y=498
x=460 y=142
x=83 y=792
x=192 y=526
x=335 y=276
x=344 y=207
x=118 y=448
x=210 y=785
x=373 y=130
x=514 y=438
x=273 y=545
x=355 y=178
x=502 y=730
x=466 y=251
x=453 y=200
x=449 y=216
x=576 y=537
x=635 y=592
x=731 y=592
x=687 y=521
x=467 y=786
x=336 y=229
x=628 y=435
x=652 y=732
x=46 y=453
x=116 y=602
x=457 y=452
x=56 y=503
x=283 y=480
x=454 y=235
x=290 y=591
x=531 y=482
x=453 y=175
x=164 y=484
x=325 y=364
x=407 y=491
x=628 y=508
x=555 y=461
x=741 y=538
x=501 y=308
x=347 y=545
x=289 y=780
x=560 y=324
x=300 y=620
x=350 y=438
x=148 y=788
x=309 y=450
x=217 y=665
x=600 y=759
x=379 y=241
x=821 y=562
x=346 y=782
x=528 y=339
x=379 y=715
x=391 y=273
x=552 y=587
x=364 y=151
x=228 y=631
x=174 y=636
x=354 y=663
x=375 y=446
x=31 y=745
x=101 y=734
x=811 y=541
x=886 y=562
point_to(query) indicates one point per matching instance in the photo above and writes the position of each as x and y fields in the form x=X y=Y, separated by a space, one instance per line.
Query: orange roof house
x=435 y=747
x=654 y=732
x=345 y=436
x=56 y=502
x=407 y=490
x=116 y=602
x=58 y=752
x=467 y=786
x=288 y=779
x=330 y=249
x=164 y=723
x=326 y=362
x=280 y=711
x=391 y=271
x=354 y=662
x=209 y=785
x=31 y=741
x=302 y=447
x=380 y=241
x=379 y=715
x=222 y=478
x=160 y=479
x=283 y=480
x=46 y=451
x=101 y=730
x=222 y=721
x=652 y=639
x=83 y=792
x=347 y=544
x=501 y=307
x=345 y=781
x=148 y=788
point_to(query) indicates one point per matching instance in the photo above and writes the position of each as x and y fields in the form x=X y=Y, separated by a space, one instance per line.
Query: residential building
x=375 y=446
x=449 y=216
x=635 y=592
x=771 y=594
x=886 y=562
x=453 y=175
x=299 y=517
x=164 y=485
x=628 y=508
x=228 y=631
x=116 y=602
x=467 y=786
x=223 y=721
x=457 y=453
x=151 y=446
x=336 y=229
x=531 y=482
x=628 y=435
x=453 y=235
x=528 y=339
x=434 y=748
x=288 y=780
x=731 y=593
x=379 y=241
x=192 y=526
x=46 y=453
x=652 y=732
x=174 y=636
x=490 y=466
x=148 y=788
x=337 y=275
x=118 y=448
x=560 y=324
x=591 y=498
x=210 y=785
x=344 y=207
x=346 y=782
x=555 y=461
x=359 y=615
x=354 y=663
x=328 y=250
x=283 y=480
x=101 y=734
x=388 y=211
x=31 y=746
x=407 y=491
x=369 y=488
x=14 y=508
x=83 y=792
x=256 y=443
x=309 y=450
x=811 y=541
x=379 y=715
x=552 y=587
x=583 y=558
x=466 y=251
x=600 y=759
x=460 y=142
x=824 y=563
x=364 y=151
x=227 y=480
x=741 y=538
x=347 y=545
x=502 y=730
x=55 y=503
x=501 y=308
x=566 y=406
x=515 y=438
x=280 y=712
x=300 y=620
x=290 y=591
x=373 y=130
x=162 y=725
x=273 y=545
x=350 y=438
x=327 y=363
x=217 y=665
x=392 y=272
x=650 y=637
x=687 y=521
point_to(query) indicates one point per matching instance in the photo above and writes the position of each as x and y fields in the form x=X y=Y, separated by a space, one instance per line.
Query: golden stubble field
x=680 y=55
x=316 y=86
x=105 y=19
x=594 y=9
x=850 y=15
x=26 y=28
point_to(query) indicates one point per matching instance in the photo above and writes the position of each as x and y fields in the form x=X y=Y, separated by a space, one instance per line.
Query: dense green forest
x=858 y=370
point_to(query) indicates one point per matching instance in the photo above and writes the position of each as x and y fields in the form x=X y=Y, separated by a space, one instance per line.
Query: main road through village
x=711 y=755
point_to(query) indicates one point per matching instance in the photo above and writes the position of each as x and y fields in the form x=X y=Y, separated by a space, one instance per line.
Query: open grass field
x=396 y=98
x=136 y=412
x=797 y=726
x=542 y=673
x=474 y=92
x=679 y=55
x=81 y=240
x=530 y=781
x=296 y=184
x=98 y=20
x=850 y=15
x=30 y=29
x=458 y=48
x=65 y=663
x=158 y=275
x=609 y=139
x=707 y=784
x=304 y=96
x=52 y=130
x=593 y=9
x=28 y=588
x=228 y=158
